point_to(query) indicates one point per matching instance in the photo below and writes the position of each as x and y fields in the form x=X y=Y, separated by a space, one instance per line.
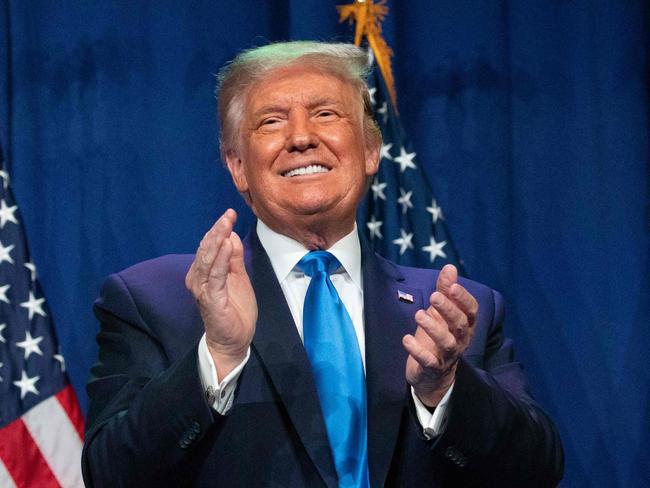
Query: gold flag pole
x=368 y=17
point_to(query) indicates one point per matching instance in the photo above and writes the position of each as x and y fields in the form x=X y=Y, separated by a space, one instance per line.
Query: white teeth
x=307 y=170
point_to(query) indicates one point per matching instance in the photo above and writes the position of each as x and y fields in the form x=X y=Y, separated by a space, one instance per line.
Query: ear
x=373 y=150
x=237 y=172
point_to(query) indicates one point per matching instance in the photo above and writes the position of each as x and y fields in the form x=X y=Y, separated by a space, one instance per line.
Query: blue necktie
x=333 y=350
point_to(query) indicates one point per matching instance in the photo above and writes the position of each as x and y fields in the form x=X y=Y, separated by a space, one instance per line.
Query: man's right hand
x=223 y=291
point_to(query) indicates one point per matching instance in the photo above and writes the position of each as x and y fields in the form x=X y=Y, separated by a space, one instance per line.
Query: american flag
x=41 y=425
x=401 y=217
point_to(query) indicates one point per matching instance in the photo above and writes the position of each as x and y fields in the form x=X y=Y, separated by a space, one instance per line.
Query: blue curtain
x=531 y=118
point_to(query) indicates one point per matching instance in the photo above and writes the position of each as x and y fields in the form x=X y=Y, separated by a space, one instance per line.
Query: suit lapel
x=280 y=349
x=387 y=319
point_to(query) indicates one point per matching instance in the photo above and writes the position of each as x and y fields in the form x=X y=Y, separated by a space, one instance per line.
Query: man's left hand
x=444 y=331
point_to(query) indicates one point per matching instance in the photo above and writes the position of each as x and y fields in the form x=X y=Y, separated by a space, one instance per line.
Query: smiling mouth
x=306 y=170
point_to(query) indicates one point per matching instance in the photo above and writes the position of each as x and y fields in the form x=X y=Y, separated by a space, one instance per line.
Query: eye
x=326 y=114
x=270 y=121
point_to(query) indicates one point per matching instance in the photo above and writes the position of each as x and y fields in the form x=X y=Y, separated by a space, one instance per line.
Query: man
x=228 y=384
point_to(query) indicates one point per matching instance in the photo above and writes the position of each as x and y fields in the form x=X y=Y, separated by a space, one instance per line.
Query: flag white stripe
x=59 y=442
x=5 y=478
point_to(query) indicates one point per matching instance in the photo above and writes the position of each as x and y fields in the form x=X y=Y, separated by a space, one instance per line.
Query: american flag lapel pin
x=404 y=297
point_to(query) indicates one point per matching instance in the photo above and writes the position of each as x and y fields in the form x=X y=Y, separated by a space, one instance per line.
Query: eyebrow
x=316 y=102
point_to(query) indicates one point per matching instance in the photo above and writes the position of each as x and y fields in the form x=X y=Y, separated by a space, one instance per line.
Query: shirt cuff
x=220 y=396
x=432 y=423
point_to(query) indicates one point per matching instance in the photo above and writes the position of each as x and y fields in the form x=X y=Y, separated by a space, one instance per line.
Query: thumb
x=447 y=277
x=237 y=259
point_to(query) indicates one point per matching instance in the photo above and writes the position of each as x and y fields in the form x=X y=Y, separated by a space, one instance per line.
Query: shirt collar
x=284 y=252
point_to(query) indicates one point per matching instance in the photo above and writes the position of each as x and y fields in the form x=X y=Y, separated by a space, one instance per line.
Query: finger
x=209 y=247
x=465 y=301
x=456 y=320
x=443 y=340
x=423 y=356
x=215 y=236
x=447 y=277
x=219 y=271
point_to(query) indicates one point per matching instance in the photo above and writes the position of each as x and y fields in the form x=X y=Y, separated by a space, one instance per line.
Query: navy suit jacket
x=149 y=423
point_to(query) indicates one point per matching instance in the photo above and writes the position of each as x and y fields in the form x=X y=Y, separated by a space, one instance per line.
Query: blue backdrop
x=530 y=117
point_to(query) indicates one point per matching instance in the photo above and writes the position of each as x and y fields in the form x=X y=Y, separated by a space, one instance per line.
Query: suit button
x=183 y=443
x=456 y=456
x=196 y=428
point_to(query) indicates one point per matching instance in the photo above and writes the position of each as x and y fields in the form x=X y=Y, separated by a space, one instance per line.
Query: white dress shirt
x=284 y=254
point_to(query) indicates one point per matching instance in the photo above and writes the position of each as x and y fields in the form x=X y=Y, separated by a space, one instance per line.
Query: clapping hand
x=223 y=291
x=443 y=333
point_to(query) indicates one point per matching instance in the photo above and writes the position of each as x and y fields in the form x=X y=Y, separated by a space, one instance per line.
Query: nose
x=301 y=133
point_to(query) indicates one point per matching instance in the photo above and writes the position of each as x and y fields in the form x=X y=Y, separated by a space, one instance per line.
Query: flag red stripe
x=68 y=401
x=23 y=459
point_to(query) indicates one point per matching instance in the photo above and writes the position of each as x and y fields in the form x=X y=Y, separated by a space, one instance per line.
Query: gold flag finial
x=368 y=17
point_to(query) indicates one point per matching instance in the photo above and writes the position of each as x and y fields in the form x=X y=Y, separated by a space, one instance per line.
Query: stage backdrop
x=530 y=117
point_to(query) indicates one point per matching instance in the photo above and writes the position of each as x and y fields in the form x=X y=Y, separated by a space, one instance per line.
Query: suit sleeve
x=496 y=435
x=147 y=412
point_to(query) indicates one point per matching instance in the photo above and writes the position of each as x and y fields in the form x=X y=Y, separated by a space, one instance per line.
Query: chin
x=310 y=204
x=307 y=210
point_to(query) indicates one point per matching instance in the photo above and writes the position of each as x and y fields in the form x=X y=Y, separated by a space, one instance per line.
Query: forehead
x=301 y=84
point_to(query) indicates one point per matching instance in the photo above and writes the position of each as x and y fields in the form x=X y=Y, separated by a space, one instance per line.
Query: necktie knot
x=318 y=262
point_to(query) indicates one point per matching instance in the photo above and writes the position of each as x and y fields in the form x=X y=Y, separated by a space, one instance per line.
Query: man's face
x=302 y=156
